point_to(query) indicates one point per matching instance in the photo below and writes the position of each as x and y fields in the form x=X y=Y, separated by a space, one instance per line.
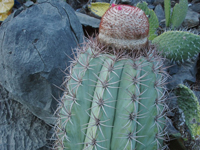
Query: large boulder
x=19 y=128
x=34 y=43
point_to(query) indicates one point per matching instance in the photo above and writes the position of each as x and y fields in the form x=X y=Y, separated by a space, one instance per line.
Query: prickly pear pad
x=178 y=46
x=188 y=102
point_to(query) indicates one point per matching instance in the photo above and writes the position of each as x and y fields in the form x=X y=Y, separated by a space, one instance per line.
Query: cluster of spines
x=91 y=113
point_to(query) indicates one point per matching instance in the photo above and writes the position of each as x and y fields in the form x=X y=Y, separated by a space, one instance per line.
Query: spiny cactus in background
x=167 y=9
x=178 y=14
x=179 y=46
x=115 y=96
x=153 y=20
x=175 y=20
x=188 y=103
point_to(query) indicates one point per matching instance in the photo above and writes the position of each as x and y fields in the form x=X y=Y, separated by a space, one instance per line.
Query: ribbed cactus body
x=113 y=102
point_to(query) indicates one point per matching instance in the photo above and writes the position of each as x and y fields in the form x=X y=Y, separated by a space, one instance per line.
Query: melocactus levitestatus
x=125 y=27
x=114 y=99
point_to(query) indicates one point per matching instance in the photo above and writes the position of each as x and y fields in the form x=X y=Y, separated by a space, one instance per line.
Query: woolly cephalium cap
x=125 y=27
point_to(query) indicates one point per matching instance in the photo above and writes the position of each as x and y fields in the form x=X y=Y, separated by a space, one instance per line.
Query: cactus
x=153 y=20
x=167 y=5
x=188 y=103
x=179 y=13
x=179 y=46
x=113 y=102
x=124 y=30
x=115 y=96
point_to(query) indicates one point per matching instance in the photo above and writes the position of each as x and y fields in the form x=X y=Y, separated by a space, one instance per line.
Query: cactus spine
x=114 y=97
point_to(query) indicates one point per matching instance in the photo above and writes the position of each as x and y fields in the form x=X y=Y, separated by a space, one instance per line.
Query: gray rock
x=162 y=23
x=19 y=128
x=150 y=1
x=196 y=7
x=151 y=6
x=28 y=4
x=127 y=1
x=33 y=48
x=105 y=1
x=88 y=20
x=184 y=73
x=156 y=2
x=76 y=3
x=159 y=12
x=191 y=19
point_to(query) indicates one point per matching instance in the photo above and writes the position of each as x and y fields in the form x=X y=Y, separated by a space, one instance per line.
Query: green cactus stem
x=113 y=102
x=167 y=6
x=178 y=46
x=188 y=103
x=115 y=91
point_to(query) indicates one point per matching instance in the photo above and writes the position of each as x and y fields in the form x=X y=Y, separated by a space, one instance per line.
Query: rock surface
x=191 y=19
x=76 y=3
x=196 y=7
x=33 y=47
x=87 y=20
x=182 y=74
x=159 y=12
x=19 y=128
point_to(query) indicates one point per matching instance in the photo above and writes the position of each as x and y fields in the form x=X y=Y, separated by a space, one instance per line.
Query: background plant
x=178 y=46
x=178 y=14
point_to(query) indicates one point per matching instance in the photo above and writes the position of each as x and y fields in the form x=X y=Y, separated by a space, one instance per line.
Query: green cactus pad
x=179 y=13
x=153 y=20
x=178 y=45
x=167 y=5
x=188 y=102
x=113 y=102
